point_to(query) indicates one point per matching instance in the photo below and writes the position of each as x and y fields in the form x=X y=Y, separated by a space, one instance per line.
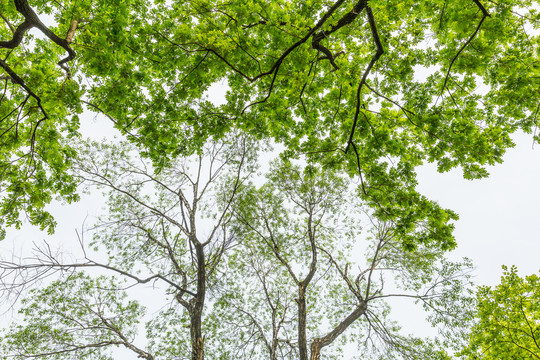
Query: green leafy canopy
x=507 y=318
x=339 y=81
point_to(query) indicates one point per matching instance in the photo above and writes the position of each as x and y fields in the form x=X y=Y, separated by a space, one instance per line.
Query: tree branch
x=485 y=14
x=374 y=59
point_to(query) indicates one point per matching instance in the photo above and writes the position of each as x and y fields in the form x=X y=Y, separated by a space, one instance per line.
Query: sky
x=498 y=222
x=499 y=215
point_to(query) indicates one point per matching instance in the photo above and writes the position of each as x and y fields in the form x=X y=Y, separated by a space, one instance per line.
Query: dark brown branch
x=359 y=168
x=319 y=24
x=8 y=23
x=275 y=67
x=482 y=8
x=443 y=11
x=345 y=20
x=19 y=81
x=32 y=20
x=374 y=59
x=485 y=14
x=18 y=35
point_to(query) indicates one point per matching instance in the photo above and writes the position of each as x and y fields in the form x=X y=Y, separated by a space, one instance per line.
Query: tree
x=507 y=316
x=293 y=287
x=334 y=80
x=155 y=231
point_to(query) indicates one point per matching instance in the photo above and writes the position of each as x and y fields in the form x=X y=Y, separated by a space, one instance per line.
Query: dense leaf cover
x=339 y=81
x=508 y=319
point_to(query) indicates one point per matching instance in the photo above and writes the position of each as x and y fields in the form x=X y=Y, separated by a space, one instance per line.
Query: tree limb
x=374 y=59
x=485 y=14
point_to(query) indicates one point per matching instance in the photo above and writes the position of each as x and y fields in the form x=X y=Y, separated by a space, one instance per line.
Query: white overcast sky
x=499 y=215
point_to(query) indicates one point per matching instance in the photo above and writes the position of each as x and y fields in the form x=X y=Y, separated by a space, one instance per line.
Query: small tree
x=241 y=271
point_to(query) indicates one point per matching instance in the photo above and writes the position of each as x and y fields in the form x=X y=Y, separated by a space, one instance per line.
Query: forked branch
x=345 y=20
x=32 y=20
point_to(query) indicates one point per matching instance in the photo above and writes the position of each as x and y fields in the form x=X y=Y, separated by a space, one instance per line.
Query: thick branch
x=345 y=20
x=7 y=23
x=326 y=340
x=32 y=20
x=71 y=31
x=18 y=35
x=17 y=79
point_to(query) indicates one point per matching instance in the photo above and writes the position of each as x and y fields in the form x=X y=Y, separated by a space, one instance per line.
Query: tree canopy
x=339 y=81
x=239 y=270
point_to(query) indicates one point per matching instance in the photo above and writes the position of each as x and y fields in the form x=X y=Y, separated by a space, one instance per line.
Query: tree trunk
x=315 y=350
x=302 y=341
x=197 y=341
x=197 y=305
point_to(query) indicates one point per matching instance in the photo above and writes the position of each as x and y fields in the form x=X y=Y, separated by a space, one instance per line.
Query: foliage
x=341 y=81
x=361 y=92
x=507 y=319
x=167 y=227
x=76 y=316
x=294 y=287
